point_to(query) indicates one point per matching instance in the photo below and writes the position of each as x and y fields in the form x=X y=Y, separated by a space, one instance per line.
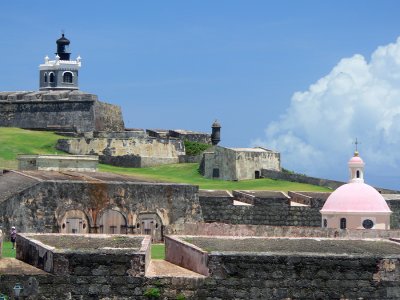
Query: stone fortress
x=87 y=235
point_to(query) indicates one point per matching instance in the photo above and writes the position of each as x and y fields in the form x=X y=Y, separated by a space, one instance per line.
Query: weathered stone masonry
x=58 y=110
x=271 y=209
x=44 y=205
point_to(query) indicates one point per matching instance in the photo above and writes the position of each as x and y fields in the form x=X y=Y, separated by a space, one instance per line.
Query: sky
x=304 y=78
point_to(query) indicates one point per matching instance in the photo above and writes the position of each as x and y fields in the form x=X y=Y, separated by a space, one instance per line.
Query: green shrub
x=195 y=148
x=180 y=297
x=152 y=293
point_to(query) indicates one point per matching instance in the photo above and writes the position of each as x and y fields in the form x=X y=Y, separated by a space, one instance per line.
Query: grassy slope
x=7 y=250
x=15 y=141
x=187 y=173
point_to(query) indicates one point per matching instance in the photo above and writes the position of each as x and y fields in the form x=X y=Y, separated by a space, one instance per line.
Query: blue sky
x=182 y=64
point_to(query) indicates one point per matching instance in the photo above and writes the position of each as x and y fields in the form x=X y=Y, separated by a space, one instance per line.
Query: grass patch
x=14 y=141
x=158 y=251
x=7 y=250
x=188 y=173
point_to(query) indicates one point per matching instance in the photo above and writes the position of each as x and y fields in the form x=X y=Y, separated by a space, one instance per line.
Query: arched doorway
x=74 y=221
x=112 y=222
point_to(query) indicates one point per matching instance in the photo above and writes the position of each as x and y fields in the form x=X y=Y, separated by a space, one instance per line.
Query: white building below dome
x=356 y=205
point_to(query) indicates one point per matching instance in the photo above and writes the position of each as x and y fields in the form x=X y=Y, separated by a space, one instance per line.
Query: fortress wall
x=58 y=110
x=129 y=152
x=233 y=276
x=40 y=208
x=108 y=117
x=48 y=115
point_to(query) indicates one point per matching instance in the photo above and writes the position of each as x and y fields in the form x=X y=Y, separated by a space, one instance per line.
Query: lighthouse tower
x=60 y=73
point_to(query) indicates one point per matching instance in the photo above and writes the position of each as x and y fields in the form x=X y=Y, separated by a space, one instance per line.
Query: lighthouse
x=62 y=72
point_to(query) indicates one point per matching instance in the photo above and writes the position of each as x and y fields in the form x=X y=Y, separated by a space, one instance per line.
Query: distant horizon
x=289 y=76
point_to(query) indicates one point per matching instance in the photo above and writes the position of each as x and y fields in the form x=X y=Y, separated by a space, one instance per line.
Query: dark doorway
x=215 y=173
x=257 y=174
x=343 y=223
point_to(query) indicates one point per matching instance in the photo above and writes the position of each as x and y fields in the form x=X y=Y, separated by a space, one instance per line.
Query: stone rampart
x=58 y=110
x=128 y=152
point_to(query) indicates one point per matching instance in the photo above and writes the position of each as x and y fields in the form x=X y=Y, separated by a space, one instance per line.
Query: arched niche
x=112 y=222
x=74 y=221
x=150 y=223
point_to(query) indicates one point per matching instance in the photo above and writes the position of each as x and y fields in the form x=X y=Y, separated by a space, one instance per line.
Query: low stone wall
x=85 y=262
x=223 y=229
x=186 y=255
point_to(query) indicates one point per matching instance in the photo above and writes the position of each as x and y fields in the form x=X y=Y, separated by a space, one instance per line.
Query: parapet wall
x=85 y=262
x=241 y=230
x=275 y=212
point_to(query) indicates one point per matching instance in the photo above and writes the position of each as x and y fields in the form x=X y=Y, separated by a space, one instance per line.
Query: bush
x=195 y=148
x=152 y=293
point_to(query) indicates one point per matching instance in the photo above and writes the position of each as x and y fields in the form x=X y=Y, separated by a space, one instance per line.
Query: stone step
x=163 y=268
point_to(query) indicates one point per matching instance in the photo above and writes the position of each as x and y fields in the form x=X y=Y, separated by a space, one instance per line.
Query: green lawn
x=15 y=141
x=7 y=250
x=158 y=251
x=187 y=173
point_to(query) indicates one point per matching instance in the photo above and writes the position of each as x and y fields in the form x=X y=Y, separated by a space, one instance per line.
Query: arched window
x=67 y=77
x=51 y=77
x=343 y=223
x=325 y=223
x=358 y=174
x=45 y=77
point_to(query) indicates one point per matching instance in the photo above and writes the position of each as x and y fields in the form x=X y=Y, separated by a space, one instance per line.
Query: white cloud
x=356 y=99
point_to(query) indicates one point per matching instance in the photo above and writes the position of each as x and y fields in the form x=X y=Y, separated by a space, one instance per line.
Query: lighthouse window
x=45 y=77
x=51 y=77
x=67 y=77
x=368 y=224
x=358 y=174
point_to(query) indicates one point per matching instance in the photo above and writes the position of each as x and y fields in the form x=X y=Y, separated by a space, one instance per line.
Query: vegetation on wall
x=195 y=148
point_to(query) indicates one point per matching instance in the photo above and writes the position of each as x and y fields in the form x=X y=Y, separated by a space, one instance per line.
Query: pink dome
x=356 y=160
x=355 y=197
